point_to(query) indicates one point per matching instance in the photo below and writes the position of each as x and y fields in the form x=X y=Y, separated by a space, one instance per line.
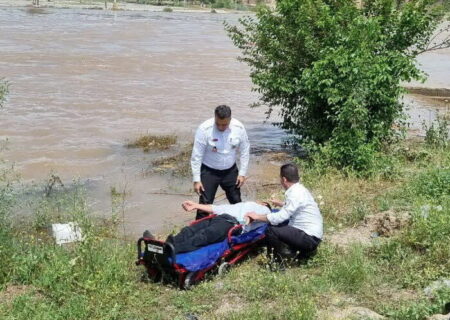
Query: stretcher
x=189 y=268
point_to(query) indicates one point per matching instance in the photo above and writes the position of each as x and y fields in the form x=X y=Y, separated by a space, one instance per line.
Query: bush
x=4 y=87
x=430 y=226
x=432 y=184
x=335 y=69
x=437 y=134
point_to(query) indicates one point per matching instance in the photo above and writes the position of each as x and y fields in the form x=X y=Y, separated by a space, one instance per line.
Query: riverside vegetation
x=97 y=279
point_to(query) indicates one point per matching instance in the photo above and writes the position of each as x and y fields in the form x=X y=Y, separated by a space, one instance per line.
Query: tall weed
x=351 y=271
x=437 y=134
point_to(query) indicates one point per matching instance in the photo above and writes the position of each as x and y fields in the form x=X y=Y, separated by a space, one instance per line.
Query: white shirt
x=238 y=210
x=301 y=210
x=217 y=149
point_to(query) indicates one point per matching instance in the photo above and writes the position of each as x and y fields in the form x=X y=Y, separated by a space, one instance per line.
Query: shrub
x=430 y=226
x=335 y=69
x=437 y=134
x=432 y=184
x=4 y=87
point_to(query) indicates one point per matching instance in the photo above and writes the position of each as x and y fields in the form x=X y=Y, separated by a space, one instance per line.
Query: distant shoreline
x=100 y=5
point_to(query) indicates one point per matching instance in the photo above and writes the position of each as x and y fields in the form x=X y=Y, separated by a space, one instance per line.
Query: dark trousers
x=203 y=233
x=284 y=238
x=212 y=179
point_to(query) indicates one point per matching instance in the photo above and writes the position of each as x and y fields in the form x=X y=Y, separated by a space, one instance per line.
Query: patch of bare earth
x=382 y=224
x=13 y=291
x=230 y=303
x=396 y=295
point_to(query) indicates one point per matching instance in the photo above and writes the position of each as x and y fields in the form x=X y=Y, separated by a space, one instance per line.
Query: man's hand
x=189 y=205
x=198 y=187
x=240 y=181
x=253 y=216
x=250 y=217
x=277 y=203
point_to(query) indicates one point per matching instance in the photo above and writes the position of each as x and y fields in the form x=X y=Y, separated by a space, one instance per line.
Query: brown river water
x=84 y=82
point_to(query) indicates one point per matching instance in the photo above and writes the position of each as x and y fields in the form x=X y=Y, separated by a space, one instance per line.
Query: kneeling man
x=298 y=224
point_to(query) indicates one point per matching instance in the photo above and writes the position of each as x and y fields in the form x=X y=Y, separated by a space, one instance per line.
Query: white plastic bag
x=66 y=232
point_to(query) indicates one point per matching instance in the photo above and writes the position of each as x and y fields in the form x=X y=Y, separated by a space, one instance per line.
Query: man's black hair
x=267 y=205
x=223 y=112
x=290 y=172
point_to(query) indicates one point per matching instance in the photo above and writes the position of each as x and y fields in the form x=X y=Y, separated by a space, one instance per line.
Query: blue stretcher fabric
x=207 y=256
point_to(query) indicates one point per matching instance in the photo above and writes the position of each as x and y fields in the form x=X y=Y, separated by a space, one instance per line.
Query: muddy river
x=85 y=82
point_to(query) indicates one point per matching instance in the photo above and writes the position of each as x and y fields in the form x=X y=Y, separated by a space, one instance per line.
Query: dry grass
x=152 y=142
x=347 y=199
x=178 y=164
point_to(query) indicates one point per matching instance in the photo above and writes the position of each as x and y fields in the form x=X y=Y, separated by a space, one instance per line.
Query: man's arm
x=244 y=150
x=284 y=214
x=198 y=151
x=191 y=206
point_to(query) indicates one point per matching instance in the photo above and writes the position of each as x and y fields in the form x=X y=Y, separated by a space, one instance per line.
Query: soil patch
x=384 y=224
x=13 y=291
x=230 y=303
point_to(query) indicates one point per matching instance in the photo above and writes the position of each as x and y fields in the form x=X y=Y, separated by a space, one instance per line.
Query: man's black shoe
x=148 y=235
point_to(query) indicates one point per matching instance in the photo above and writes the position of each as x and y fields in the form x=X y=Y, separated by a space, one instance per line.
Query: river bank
x=385 y=255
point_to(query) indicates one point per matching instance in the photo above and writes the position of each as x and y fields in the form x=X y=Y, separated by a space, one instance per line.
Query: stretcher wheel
x=152 y=276
x=189 y=281
x=224 y=268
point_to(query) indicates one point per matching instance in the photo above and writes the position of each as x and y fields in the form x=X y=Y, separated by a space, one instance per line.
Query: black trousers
x=212 y=179
x=282 y=238
x=203 y=233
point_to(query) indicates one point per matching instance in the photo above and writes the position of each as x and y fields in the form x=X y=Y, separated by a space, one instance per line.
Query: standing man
x=213 y=160
x=298 y=224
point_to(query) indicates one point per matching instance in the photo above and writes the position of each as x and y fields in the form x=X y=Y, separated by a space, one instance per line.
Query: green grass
x=97 y=279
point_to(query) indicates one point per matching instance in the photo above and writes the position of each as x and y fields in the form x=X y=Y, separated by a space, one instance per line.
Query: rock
x=360 y=313
x=439 y=317
x=219 y=285
x=436 y=285
x=353 y=313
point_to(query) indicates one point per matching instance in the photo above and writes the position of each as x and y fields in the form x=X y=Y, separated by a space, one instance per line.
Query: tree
x=335 y=67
